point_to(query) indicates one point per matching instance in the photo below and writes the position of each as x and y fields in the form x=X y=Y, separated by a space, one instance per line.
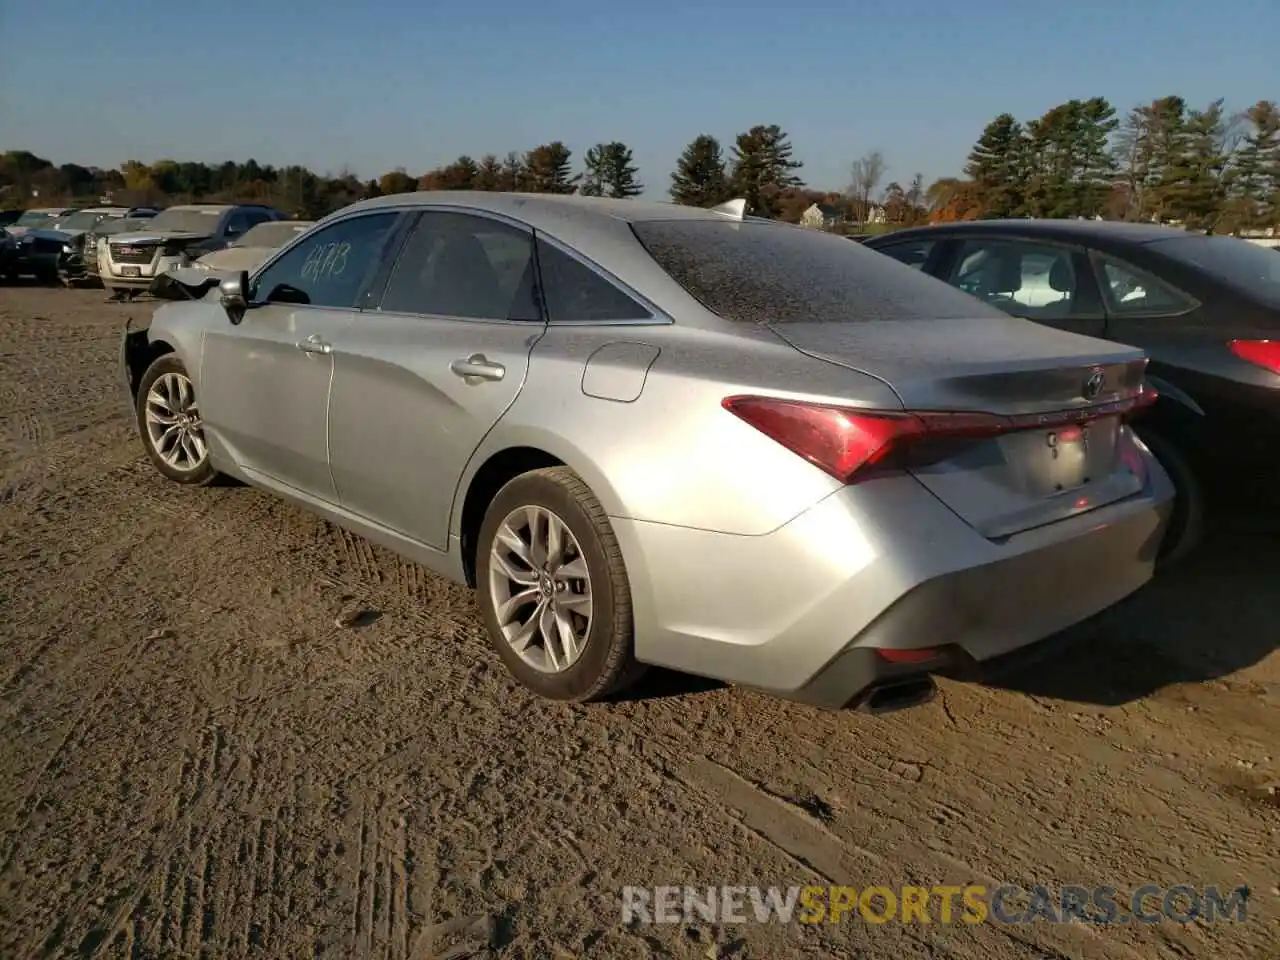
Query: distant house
x=821 y=216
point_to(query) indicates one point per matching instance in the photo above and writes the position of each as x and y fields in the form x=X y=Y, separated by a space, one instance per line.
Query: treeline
x=759 y=166
x=1165 y=161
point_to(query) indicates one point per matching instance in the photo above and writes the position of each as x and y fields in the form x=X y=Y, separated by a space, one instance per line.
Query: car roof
x=1070 y=230
x=529 y=207
x=597 y=229
x=208 y=206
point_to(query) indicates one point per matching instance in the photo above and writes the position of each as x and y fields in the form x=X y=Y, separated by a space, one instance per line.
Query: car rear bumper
x=801 y=612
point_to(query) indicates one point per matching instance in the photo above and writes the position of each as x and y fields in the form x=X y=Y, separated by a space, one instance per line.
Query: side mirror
x=233 y=292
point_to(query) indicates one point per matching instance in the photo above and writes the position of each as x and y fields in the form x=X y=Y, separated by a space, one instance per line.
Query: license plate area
x=1068 y=454
x=130 y=272
x=1049 y=461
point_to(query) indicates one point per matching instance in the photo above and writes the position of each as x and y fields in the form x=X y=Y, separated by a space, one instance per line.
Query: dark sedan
x=1206 y=309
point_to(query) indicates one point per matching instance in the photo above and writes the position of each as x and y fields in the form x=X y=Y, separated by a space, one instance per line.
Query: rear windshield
x=755 y=272
x=81 y=221
x=32 y=218
x=186 y=221
x=122 y=225
x=273 y=233
x=1249 y=267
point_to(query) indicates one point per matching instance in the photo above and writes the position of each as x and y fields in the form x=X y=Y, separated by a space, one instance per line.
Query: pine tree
x=699 y=179
x=459 y=175
x=762 y=168
x=1195 y=183
x=488 y=173
x=610 y=172
x=997 y=167
x=1166 y=120
x=1254 y=183
x=548 y=170
x=514 y=174
x=1097 y=167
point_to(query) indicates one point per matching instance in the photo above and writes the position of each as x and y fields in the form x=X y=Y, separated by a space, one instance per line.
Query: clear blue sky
x=386 y=84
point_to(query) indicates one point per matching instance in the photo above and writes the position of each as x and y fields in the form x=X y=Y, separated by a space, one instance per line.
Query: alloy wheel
x=173 y=422
x=541 y=589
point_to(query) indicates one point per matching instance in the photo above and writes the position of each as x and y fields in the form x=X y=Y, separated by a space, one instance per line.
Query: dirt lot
x=198 y=761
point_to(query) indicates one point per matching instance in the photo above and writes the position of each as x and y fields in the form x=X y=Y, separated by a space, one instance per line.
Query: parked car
x=97 y=241
x=251 y=250
x=173 y=239
x=1206 y=309
x=55 y=250
x=76 y=259
x=8 y=217
x=8 y=255
x=655 y=434
x=41 y=217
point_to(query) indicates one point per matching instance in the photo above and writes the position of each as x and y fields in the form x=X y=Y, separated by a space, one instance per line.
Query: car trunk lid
x=1056 y=446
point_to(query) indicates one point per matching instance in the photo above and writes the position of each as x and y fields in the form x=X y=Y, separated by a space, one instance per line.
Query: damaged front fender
x=134 y=345
x=185 y=283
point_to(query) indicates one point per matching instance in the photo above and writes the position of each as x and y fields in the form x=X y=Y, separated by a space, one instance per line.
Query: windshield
x=179 y=220
x=80 y=221
x=756 y=272
x=273 y=233
x=121 y=225
x=32 y=218
x=1249 y=267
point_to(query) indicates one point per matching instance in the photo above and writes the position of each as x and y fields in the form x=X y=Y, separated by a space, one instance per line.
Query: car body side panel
x=265 y=398
x=403 y=425
x=674 y=455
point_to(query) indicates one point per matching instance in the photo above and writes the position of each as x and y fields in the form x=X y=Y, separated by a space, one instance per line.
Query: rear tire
x=516 y=580
x=1186 y=525
x=169 y=423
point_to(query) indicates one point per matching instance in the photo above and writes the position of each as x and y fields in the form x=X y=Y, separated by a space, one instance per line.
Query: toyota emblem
x=1093 y=386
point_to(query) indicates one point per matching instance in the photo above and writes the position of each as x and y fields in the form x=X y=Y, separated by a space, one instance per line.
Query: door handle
x=314 y=344
x=477 y=367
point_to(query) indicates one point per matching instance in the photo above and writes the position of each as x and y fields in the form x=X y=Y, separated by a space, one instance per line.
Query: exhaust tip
x=899 y=695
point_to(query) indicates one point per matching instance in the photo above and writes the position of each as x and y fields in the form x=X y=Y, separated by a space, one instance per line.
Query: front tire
x=170 y=425
x=553 y=589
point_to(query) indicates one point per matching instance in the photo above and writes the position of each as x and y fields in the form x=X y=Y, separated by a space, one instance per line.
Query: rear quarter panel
x=673 y=455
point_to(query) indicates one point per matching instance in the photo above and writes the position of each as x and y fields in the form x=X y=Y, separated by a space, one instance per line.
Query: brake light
x=845 y=441
x=1262 y=353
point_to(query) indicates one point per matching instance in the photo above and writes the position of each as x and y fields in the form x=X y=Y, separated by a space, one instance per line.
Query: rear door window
x=465 y=266
x=914 y=253
x=1039 y=281
x=764 y=272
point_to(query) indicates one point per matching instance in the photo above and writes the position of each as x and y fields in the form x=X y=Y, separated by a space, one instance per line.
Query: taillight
x=1262 y=353
x=845 y=441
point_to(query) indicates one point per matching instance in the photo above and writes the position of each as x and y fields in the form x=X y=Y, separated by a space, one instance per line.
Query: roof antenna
x=732 y=208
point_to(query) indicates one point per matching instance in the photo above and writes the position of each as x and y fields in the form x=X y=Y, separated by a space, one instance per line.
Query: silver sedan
x=654 y=434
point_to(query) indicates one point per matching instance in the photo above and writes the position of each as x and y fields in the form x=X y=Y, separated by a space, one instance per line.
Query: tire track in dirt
x=81 y=721
x=475 y=798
